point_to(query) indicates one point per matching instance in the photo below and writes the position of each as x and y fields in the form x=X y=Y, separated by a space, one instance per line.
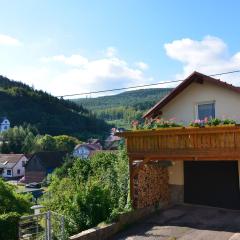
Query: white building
x=4 y=124
x=12 y=165
x=85 y=150
x=197 y=97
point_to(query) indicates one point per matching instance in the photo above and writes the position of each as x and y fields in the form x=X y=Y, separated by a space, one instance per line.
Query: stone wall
x=125 y=219
x=151 y=185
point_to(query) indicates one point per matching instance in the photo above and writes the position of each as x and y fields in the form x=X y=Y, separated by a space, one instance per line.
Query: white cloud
x=111 y=52
x=79 y=74
x=142 y=65
x=73 y=60
x=9 y=41
x=104 y=73
x=209 y=56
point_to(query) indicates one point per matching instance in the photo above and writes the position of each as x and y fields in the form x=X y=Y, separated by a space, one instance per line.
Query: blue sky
x=73 y=46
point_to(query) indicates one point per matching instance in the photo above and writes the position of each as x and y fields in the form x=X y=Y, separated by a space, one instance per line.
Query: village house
x=41 y=164
x=12 y=165
x=112 y=141
x=192 y=165
x=4 y=124
x=85 y=150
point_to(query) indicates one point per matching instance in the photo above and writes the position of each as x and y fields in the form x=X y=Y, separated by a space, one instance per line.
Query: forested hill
x=21 y=104
x=121 y=109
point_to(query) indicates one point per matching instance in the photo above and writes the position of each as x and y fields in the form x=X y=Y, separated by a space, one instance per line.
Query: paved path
x=186 y=223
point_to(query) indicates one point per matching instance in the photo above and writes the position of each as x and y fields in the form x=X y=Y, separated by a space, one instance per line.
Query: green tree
x=65 y=142
x=12 y=206
x=89 y=191
x=45 y=143
x=25 y=139
x=10 y=201
x=22 y=103
x=19 y=139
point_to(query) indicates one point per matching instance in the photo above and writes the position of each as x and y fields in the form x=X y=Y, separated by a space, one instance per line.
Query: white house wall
x=4 y=174
x=15 y=168
x=81 y=152
x=176 y=175
x=19 y=166
x=183 y=106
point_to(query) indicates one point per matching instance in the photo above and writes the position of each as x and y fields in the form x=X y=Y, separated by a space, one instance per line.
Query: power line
x=145 y=85
x=224 y=73
x=117 y=89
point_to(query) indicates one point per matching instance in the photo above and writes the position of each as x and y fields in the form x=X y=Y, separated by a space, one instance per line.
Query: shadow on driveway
x=186 y=222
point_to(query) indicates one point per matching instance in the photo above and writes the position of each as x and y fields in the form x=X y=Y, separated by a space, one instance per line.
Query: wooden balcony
x=208 y=143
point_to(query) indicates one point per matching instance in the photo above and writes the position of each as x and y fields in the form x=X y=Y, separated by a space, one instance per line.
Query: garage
x=212 y=183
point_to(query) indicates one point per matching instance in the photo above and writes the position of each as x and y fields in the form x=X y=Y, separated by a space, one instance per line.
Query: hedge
x=9 y=226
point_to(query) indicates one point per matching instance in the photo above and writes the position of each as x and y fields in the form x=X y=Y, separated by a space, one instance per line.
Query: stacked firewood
x=150 y=186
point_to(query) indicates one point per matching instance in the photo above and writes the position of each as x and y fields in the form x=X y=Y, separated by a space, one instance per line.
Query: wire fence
x=44 y=226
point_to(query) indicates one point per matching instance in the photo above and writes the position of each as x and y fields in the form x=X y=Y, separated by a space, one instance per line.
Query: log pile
x=150 y=186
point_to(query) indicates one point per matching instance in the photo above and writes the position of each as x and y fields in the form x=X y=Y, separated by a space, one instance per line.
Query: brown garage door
x=212 y=183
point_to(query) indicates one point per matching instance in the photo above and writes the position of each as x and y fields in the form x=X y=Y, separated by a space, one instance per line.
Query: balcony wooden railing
x=209 y=143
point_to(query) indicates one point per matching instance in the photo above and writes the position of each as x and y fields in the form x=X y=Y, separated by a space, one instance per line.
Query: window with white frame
x=9 y=172
x=206 y=110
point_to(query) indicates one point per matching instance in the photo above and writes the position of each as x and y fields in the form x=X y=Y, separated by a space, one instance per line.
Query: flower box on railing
x=184 y=142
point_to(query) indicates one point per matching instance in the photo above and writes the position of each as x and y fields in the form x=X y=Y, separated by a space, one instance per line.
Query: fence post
x=19 y=231
x=49 y=227
x=46 y=226
x=62 y=226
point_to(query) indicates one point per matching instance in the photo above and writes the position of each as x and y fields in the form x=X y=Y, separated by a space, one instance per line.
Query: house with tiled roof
x=197 y=164
x=41 y=164
x=12 y=165
x=197 y=97
x=85 y=150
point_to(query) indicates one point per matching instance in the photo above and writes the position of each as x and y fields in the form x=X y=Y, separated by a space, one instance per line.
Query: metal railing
x=44 y=226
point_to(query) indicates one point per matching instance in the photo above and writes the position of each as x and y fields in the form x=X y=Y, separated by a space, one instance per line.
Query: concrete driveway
x=186 y=222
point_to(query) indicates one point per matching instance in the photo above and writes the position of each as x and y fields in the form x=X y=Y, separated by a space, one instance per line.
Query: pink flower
x=135 y=122
x=172 y=119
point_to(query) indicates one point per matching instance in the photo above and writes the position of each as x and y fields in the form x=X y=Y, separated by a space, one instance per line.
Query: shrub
x=9 y=226
x=10 y=201
x=89 y=191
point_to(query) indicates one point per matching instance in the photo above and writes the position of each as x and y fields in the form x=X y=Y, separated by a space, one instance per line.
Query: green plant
x=228 y=121
x=213 y=122
x=89 y=191
x=10 y=201
x=9 y=226
x=161 y=123
x=155 y=123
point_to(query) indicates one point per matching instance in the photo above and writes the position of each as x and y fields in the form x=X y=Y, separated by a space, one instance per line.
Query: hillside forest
x=120 y=109
x=22 y=104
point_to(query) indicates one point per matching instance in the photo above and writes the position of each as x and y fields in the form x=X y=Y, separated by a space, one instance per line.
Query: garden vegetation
x=12 y=206
x=90 y=191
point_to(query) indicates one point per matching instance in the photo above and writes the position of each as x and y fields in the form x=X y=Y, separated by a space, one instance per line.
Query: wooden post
x=131 y=179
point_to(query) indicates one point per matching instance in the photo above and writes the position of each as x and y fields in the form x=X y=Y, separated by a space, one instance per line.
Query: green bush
x=10 y=201
x=90 y=191
x=9 y=226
